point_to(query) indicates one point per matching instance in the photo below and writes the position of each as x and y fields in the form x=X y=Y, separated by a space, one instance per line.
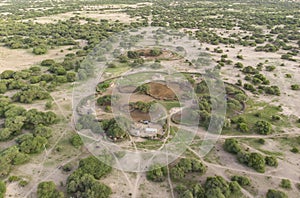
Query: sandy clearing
x=18 y=59
x=110 y=15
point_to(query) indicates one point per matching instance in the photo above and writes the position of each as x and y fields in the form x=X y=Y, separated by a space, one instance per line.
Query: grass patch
x=256 y=111
x=170 y=104
x=149 y=144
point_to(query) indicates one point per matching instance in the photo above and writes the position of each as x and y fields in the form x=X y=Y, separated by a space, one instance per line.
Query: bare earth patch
x=18 y=59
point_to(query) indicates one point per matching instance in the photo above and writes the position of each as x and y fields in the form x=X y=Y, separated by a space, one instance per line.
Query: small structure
x=145 y=121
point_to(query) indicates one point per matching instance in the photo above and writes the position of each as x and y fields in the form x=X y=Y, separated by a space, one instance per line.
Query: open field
x=57 y=116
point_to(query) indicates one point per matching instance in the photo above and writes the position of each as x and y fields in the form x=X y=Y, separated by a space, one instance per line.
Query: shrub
x=216 y=187
x=47 y=62
x=243 y=127
x=155 y=52
x=67 y=168
x=243 y=181
x=76 y=141
x=3 y=88
x=249 y=87
x=23 y=183
x=294 y=150
x=2 y=189
x=295 y=87
x=285 y=183
x=272 y=90
x=47 y=190
x=276 y=194
x=133 y=54
x=157 y=173
x=261 y=141
x=270 y=68
x=240 y=56
x=39 y=50
x=263 y=127
x=13 y=178
x=232 y=146
x=271 y=161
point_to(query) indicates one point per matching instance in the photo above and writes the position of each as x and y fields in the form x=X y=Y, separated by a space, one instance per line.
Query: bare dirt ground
x=18 y=59
x=161 y=91
x=107 y=15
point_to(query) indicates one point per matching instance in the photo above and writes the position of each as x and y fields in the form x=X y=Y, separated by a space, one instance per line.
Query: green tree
x=71 y=76
x=295 y=87
x=243 y=181
x=285 y=183
x=263 y=127
x=3 y=88
x=216 y=187
x=271 y=161
x=2 y=189
x=47 y=62
x=257 y=161
x=133 y=54
x=48 y=190
x=93 y=166
x=155 y=52
x=76 y=141
x=31 y=144
x=39 y=50
x=84 y=185
x=232 y=146
x=157 y=173
x=276 y=194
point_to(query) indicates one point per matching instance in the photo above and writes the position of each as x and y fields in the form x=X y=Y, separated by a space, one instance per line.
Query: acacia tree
x=263 y=127
x=48 y=190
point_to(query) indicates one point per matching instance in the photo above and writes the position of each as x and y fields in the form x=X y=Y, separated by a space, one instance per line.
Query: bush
x=271 y=161
x=133 y=54
x=294 y=150
x=285 y=183
x=157 y=173
x=47 y=62
x=239 y=65
x=39 y=50
x=93 y=166
x=249 y=70
x=253 y=160
x=249 y=87
x=76 y=141
x=276 y=194
x=3 y=88
x=2 y=189
x=263 y=127
x=216 y=187
x=71 y=76
x=295 y=87
x=23 y=183
x=30 y=145
x=240 y=56
x=243 y=127
x=261 y=141
x=272 y=90
x=7 y=74
x=42 y=131
x=155 y=52
x=84 y=185
x=48 y=190
x=31 y=94
x=243 y=181
x=232 y=146
x=13 y=178
x=67 y=168
x=270 y=68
